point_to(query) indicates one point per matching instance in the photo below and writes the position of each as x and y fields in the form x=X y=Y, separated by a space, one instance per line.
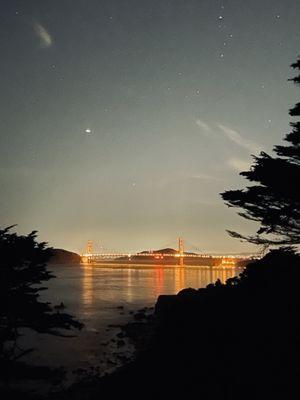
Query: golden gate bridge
x=167 y=253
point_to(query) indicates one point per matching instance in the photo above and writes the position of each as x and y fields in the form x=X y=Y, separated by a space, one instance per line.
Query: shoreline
x=217 y=342
x=192 y=345
x=137 y=331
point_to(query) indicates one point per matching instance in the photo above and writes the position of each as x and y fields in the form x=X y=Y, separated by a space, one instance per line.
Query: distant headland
x=61 y=256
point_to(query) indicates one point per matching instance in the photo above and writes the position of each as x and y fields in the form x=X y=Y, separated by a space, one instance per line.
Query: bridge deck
x=165 y=255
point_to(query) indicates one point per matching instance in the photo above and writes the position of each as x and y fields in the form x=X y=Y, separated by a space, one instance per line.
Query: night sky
x=123 y=120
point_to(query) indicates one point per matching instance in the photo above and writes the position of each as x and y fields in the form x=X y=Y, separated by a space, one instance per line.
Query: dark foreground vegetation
x=238 y=340
x=23 y=272
x=273 y=197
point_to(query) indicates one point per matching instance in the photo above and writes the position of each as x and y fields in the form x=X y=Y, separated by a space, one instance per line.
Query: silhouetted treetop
x=275 y=201
x=22 y=271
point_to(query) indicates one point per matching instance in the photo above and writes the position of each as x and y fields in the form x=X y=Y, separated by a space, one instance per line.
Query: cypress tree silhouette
x=22 y=270
x=274 y=201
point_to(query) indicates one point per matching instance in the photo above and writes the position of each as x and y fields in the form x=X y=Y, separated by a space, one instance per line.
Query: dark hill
x=161 y=251
x=167 y=250
x=61 y=256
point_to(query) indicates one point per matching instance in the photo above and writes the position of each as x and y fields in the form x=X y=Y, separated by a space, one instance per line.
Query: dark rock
x=139 y=316
x=165 y=303
x=187 y=292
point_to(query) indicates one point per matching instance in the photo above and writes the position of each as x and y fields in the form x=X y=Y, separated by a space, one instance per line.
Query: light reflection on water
x=138 y=285
x=93 y=294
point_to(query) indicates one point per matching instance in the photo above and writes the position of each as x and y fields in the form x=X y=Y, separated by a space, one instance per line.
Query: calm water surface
x=94 y=294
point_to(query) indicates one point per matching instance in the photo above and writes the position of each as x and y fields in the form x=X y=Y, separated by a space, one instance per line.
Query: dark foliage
x=275 y=201
x=22 y=271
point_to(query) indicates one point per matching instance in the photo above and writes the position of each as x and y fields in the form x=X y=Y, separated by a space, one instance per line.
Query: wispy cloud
x=203 y=125
x=236 y=137
x=238 y=164
x=44 y=36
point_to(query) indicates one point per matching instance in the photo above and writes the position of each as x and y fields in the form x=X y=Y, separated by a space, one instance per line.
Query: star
x=87 y=130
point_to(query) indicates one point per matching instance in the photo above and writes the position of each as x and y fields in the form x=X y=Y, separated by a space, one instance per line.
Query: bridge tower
x=180 y=247
x=181 y=251
x=89 y=247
